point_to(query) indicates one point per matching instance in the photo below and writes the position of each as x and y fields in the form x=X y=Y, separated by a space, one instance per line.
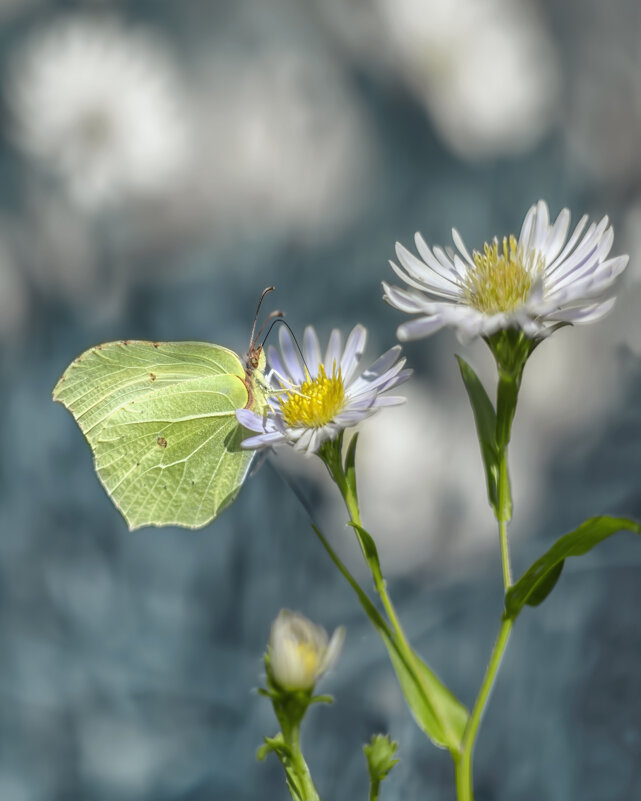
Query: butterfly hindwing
x=160 y=420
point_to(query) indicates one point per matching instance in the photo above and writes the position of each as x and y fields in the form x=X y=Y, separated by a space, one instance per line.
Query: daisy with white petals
x=533 y=283
x=313 y=402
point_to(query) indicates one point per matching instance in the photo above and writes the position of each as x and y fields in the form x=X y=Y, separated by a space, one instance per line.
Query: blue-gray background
x=307 y=138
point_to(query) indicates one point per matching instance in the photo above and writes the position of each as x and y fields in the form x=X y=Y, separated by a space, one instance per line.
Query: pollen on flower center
x=503 y=278
x=306 y=655
x=316 y=401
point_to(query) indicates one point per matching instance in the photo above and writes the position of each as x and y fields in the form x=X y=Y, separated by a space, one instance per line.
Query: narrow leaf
x=485 y=419
x=367 y=544
x=539 y=580
x=436 y=710
x=350 y=461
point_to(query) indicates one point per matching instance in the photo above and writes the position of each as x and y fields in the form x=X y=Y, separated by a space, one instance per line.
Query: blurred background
x=160 y=164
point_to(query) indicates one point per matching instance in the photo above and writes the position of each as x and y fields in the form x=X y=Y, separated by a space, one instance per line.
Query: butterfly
x=160 y=418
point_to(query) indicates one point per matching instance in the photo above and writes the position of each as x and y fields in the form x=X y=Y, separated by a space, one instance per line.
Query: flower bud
x=299 y=651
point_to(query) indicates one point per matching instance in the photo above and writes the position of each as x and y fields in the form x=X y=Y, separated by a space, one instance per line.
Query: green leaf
x=539 y=580
x=367 y=544
x=485 y=419
x=350 y=463
x=273 y=744
x=278 y=746
x=161 y=421
x=436 y=710
x=541 y=591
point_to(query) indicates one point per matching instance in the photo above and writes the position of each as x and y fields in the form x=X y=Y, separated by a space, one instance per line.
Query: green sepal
x=485 y=419
x=321 y=699
x=273 y=745
x=539 y=580
x=278 y=746
x=435 y=709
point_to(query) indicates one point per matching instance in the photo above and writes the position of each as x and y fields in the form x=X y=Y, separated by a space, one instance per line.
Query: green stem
x=463 y=765
x=507 y=395
x=292 y=738
x=351 y=502
x=504 y=515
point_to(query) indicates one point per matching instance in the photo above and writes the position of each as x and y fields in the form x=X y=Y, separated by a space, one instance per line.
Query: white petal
x=290 y=356
x=353 y=351
x=461 y=247
x=525 y=236
x=411 y=302
x=557 y=236
x=311 y=350
x=425 y=274
x=250 y=420
x=584 y=314
x=334 y=350
x=550 y=268
x=423 y=284
x=421 y=327
x=263 y=440
x=333 y=650
x=448 y=271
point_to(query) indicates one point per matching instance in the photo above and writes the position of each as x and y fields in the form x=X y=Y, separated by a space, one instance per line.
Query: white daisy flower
x=300 y=651
x=535 y=283
x=313 y=402
x=99 y=106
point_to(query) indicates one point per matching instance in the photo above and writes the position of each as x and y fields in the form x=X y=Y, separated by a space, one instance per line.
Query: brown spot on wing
x=152 y=376
x=162 y=442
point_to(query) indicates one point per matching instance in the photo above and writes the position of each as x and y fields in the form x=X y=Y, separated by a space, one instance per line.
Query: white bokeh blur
x=101 y=106
x=486 y=71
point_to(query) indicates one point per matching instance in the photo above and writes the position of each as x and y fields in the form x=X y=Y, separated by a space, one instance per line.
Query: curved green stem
x=345 y=479
x=463 y=764
x=351 y=502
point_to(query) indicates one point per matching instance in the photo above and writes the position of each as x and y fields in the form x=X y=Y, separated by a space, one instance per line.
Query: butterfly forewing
x=160 y=419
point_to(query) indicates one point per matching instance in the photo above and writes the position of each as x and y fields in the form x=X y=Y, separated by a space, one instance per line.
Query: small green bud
x=379 y=753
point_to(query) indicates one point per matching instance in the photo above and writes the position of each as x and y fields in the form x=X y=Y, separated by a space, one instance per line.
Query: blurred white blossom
x=100 y=106
x=300 y=651
x=14 y=300
x=602 y=115
x=486 y=70
x=286 y=144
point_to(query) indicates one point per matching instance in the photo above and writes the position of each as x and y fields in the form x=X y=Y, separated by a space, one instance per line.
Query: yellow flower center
x=307 y=657
x=316 y=401
x=503 y=278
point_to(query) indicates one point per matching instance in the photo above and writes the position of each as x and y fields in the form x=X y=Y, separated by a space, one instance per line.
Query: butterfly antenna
x=275 y=314
x=260 y=302
x=289 y=328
